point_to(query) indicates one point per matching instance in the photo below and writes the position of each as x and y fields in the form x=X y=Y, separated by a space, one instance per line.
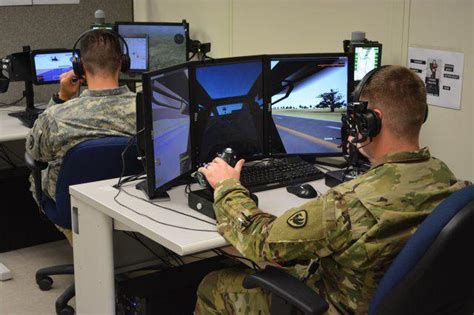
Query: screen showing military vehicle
x=50 y=65
x=166 y=45
x=229 y=97
x=308 y=96
x=170 y=115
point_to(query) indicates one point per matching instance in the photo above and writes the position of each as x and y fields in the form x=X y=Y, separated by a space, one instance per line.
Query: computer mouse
x=303 y=191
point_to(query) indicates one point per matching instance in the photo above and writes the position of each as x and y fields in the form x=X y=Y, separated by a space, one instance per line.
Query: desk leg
x=93 y=260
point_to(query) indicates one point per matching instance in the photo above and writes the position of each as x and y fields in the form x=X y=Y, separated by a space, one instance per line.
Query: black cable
x=5 y=157
x=169 y=209
x=135 y=237
x=12 y=152
x=12 y=103
x=119 y=188
x=221 y=252
x=159 y=222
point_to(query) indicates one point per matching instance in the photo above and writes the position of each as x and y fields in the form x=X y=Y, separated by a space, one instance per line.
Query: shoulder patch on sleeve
x=298 y=219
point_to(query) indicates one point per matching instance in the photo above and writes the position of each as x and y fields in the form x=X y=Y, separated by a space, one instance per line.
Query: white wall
x=245 y=27
x=449 y=25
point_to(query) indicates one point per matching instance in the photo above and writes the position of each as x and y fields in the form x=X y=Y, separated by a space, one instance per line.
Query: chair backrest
x=434 y=272
x=89 y=161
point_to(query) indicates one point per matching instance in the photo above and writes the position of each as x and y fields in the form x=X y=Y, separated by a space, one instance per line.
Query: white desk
x=96 y=214
x=11 y=128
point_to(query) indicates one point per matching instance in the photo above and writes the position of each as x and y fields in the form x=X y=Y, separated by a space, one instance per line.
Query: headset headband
x=117 y=35
x=365 y=80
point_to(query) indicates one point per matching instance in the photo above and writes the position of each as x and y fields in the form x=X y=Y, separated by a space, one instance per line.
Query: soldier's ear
x=378 y=112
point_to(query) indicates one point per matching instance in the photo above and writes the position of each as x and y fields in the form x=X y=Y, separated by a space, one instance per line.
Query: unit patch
x=298 y=219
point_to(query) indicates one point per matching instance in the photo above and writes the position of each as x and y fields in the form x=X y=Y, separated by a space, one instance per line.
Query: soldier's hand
x=218 y=170
x=69 y=85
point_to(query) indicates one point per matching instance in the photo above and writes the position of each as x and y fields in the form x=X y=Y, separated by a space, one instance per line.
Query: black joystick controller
x=227 y=155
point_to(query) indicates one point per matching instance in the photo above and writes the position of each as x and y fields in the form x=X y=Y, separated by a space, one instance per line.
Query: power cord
x=120 y=182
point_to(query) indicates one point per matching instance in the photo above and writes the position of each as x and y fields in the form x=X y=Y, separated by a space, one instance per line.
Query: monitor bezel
x=139 y=72
x=197 y=64
x=154 y=191
x=353 y=47
x=36 y=52
x=267 y=101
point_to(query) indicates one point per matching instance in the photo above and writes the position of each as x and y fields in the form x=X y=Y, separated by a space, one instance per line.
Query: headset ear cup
x=77 y=67
x=374 y=123
x=125 y=67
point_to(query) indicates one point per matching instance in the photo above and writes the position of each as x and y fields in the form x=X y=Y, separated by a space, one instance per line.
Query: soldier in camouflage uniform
x=104 y=109
x=354 y=231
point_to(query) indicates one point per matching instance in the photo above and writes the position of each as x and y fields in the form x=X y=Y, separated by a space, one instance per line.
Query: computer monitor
x=153 y=46
x=367 y=56
x=228 y=95
x=308 y=94
x=167 y=128
x=49 y=64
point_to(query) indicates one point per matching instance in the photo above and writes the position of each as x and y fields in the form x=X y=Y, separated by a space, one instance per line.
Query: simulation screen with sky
x=49 y=66
x=308 y=97
x=229 y=99
x=171 y=122
x=162 y=45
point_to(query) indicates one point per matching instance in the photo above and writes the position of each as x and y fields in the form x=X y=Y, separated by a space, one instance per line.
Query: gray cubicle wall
x=51 y=26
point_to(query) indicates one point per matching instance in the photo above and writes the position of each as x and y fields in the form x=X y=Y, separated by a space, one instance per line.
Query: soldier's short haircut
x=401 y=96
x=101 y=52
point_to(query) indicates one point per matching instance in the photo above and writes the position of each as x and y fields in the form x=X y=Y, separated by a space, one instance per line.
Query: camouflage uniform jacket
x=94 y=114
x=353 y=232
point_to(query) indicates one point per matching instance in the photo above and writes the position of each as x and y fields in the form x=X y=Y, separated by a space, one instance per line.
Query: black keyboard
x=278 y=173
x=27 y=117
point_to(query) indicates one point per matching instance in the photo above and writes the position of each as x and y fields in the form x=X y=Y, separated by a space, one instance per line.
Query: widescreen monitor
x=153 y=46
x=229 y=103
x=308 y=94
x=366 y=58
x=167 y=127
x=48 y=65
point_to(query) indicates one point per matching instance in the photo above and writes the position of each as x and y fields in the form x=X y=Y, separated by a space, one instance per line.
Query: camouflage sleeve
x=40 y=139
x=306 y=232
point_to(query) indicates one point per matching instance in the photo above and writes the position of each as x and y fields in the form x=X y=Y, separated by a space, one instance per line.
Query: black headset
x=77 y=65
x=366 y=120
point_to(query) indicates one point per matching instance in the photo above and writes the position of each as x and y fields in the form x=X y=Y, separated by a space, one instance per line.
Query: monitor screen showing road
x=308 y=96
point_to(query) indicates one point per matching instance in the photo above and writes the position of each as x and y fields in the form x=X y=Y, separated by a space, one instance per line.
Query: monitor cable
x=121 y=181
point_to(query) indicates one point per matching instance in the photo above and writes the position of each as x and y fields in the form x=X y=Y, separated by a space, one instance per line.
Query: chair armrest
x=288 y=288
x=36 y=167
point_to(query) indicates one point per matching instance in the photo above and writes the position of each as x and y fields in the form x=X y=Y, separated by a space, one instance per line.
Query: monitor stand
x=160 y=196
x=29 y=115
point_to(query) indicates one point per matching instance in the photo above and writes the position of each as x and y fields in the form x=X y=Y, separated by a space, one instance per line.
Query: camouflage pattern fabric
x=353 y=232
x=94 y=114
x=221 y=292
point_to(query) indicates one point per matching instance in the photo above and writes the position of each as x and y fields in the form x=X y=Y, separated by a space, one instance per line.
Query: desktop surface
x=100 y=195
x=10 y=127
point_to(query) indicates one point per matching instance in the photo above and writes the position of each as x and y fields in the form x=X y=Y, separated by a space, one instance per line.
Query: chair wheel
x=45 y=283
x=67 y=310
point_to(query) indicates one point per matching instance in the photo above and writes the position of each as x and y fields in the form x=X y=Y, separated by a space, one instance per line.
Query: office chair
x=432 y=274
x=89 y=161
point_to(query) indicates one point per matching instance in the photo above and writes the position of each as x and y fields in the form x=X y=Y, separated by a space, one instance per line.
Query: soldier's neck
x=389 y=147
x=102 y=82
